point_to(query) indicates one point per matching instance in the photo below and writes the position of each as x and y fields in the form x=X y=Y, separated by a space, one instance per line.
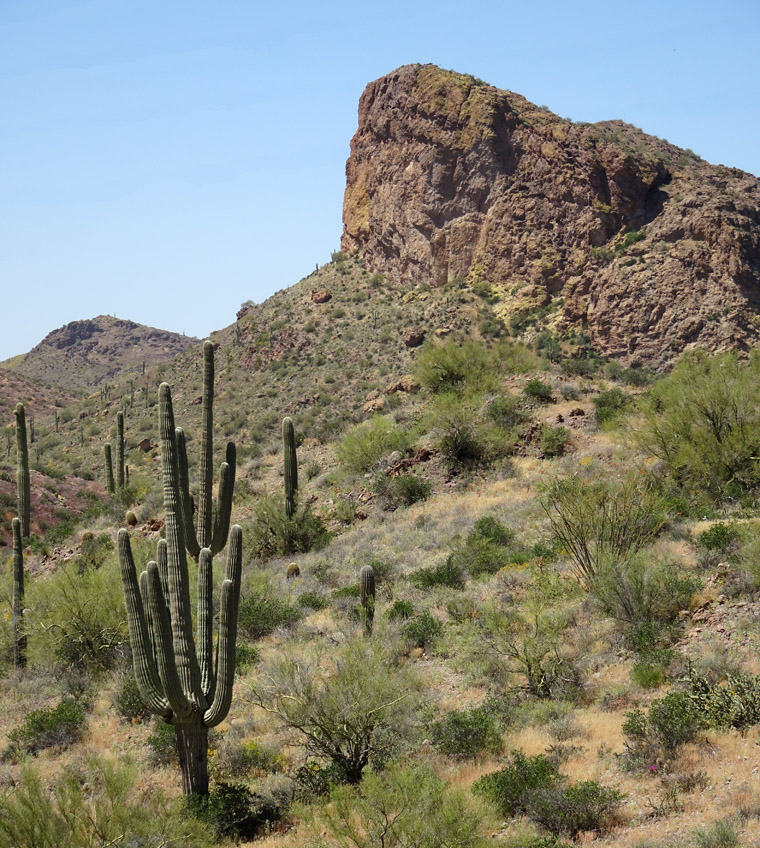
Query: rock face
x=651 y=249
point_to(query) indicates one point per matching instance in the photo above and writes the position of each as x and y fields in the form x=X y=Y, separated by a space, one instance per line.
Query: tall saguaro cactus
x=178 y=676
x=119 y=450
x=212 y=527
x=19 y=637
x=367 y=595
x=22 y=472
x=110 y=485
x=291 y=466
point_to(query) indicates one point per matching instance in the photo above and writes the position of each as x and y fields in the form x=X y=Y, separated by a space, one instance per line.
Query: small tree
x=351 y=709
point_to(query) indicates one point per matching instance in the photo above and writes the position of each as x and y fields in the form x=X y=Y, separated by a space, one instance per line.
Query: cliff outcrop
x=645 y=246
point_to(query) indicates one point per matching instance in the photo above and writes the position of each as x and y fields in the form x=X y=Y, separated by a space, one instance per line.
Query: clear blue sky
x=165 y=161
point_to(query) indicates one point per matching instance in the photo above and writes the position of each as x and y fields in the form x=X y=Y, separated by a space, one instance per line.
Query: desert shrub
x=454 y=366
x=533 y=786
x=505 y=411
x=568 y=810
x=400 y=611
x=600 y=520
x=538 y=390
x=362 y=446
x=236 y=758
x=162 y=744
x=272 y=533
x=408 y=489
x=313 y=600
x=423 y=629
x=553 y=440
x=720 y=834
x=127 y=701
x=721 y=537
x=466 y=733
x=96 y=806
x=488 y=547
x=245 y=656
x=94 y=551
x=650 y=672
x=401 y=807
x=447 y=573
x=608 y=405
x=49 y=727
x=511 y=788
x=642 y=589
x=232 y=810
x=262 y=610
x=671 y=721
x=315 y=779
x=703 y=421
x=352 y=706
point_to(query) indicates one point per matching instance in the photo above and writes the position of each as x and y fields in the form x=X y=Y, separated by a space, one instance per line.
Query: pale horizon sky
x=165 y=162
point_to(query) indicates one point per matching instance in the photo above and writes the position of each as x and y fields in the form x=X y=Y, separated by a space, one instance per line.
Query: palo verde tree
x=212 y=527
x=178 y=676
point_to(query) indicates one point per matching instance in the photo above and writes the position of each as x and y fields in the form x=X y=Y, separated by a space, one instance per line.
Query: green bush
x=272 y=533
x=504 y=410
x=408 y=489
x=423 y=629
x=511 y=788
x=455 y=366
x=363 y=445
x=538 y=390
x=720 y=537
x=49 y=727
x=608 y=405
x=487 y=548
x=733 y=702
x=162 y=744
x=262 y=611
x=703 y=421
x=568 y=810
x=466 y=733
x=400 y=611
x=313 y=600
x=448 y=573
x=553 y=440
x=127 y=701
x=233 y=811
x=671 y=721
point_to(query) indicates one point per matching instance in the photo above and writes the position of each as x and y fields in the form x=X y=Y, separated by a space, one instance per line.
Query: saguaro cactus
x=291 y=466
x=19 y=637
x=22 y=472
x=178 y=676
x=367 y=595
x=120 y=450
x=110 y=485
x=212 y=529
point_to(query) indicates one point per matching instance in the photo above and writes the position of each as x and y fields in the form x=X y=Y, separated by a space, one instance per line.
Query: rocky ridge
x=643 y=244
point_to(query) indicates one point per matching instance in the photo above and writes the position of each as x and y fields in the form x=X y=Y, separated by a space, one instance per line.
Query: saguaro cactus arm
x=205 y=637
x=225 y=668
x=224 y=502
x=191 y=539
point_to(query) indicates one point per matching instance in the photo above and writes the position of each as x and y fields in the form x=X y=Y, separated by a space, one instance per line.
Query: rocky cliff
x=642 y=243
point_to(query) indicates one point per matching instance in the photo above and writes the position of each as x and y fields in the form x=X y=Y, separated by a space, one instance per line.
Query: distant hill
x=88 y=353
x=641 y=243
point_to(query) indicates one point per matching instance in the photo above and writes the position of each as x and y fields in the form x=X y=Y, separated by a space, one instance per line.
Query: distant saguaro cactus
x=367 y=595
x=119 y=450
x=291 y=466
x=22 y=472
x=178 y=676
x=212 y=529
x=110 y=485
x=19 y=636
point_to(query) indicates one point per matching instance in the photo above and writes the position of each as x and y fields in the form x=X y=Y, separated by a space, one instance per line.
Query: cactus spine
x=178 y=676
x=110 y=485
x=19 y=637
x=367 y=595
x=291 y=466
x=119 y=450
x=212 y=528
x=22 y=472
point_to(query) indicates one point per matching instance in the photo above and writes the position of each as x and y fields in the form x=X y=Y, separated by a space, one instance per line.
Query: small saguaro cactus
x=212 y=529
x=367 y=595
x=110 y=485
x=19 y=637
x=178 y=677
x=22 y=472
x=119 y=450
x=291 y=466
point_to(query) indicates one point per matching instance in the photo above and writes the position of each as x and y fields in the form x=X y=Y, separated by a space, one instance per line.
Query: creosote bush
x=49 y=727
x=363 y=445
x=466 y=733
x=274 y=533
